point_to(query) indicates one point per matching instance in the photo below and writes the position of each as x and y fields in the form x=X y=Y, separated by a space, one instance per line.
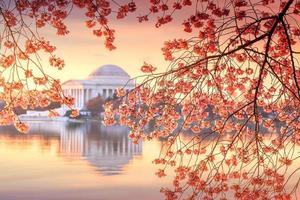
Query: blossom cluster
x=24 y=80
x=227 y=108
x=228 y=104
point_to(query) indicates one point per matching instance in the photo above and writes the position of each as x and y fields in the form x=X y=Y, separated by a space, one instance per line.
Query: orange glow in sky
x=136 y=42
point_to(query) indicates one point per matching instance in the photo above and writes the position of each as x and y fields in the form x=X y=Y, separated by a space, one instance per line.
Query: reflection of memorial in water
x=107 y=148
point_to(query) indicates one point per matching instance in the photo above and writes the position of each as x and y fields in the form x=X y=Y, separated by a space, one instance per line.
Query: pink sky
x=136 y=43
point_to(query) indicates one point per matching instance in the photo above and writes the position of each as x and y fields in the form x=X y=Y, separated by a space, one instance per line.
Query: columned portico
x=104 y=81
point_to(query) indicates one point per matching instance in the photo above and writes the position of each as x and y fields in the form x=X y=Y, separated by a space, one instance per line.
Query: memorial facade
x=104 y=81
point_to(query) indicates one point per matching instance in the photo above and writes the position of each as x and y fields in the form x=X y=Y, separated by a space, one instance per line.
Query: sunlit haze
x=136 y=43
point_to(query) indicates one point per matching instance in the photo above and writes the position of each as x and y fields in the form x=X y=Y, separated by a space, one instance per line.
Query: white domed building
x=103 y=81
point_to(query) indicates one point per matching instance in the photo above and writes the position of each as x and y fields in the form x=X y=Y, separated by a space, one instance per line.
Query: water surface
x=58 y=160
x=72 y=161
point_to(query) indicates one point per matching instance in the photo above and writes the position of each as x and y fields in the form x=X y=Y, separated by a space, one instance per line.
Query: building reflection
x=106 y=148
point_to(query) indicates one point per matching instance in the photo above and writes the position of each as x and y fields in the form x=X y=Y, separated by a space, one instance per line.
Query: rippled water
x=58 y=160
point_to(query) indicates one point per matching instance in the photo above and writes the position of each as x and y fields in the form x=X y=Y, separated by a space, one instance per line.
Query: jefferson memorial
x=103 y=81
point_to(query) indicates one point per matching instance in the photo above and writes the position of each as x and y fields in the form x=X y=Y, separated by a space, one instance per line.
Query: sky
x=136 y=42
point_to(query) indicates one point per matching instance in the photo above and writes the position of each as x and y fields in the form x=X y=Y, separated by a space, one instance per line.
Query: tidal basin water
x=68 y=161
x=81 y=161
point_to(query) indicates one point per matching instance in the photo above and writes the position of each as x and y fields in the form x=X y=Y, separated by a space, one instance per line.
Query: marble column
x=82 y=98
x=76 y=96
x=89 y=94
x=79 y=98
x=73 y=93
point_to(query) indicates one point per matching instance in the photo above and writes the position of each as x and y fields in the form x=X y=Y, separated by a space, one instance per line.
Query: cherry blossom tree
x=227 y=105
